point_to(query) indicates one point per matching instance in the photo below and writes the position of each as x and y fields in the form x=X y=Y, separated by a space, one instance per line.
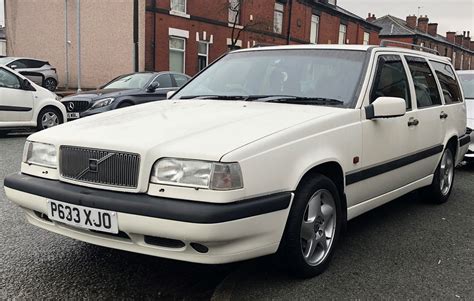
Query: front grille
x=76 y=105
x=103 y=167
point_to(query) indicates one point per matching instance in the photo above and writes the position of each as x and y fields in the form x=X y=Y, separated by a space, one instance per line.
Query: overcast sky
x=451 y=15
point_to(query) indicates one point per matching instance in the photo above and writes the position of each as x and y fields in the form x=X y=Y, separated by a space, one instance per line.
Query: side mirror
x=153 y=86
x=13 y=67
x=170 y=94
x=26 y=85
x=386 y=107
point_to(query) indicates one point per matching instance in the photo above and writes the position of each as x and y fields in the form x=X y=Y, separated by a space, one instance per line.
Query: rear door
x=431 y=114
x=16 y=104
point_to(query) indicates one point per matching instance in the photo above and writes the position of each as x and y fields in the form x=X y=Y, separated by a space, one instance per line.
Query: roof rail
x=384 y=43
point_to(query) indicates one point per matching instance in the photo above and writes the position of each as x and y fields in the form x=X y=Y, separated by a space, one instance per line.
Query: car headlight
x=40 y=154
x=102 y=103
x=197 y=174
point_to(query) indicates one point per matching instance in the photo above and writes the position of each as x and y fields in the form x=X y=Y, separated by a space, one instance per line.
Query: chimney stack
x=411 y=21
x=458 y=39
x=371 y=18
x=450 y=36
x=423 y=23
x=467 y=40
x=433 y=29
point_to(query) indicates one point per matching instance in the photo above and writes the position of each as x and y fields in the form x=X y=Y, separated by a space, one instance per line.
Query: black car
x=123 y=91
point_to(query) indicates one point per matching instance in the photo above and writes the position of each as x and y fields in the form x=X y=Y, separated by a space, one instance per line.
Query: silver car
x=38 y=71
x=467 y=83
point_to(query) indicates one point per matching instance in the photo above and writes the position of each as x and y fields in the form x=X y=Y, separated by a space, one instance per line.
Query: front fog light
x=40 y=154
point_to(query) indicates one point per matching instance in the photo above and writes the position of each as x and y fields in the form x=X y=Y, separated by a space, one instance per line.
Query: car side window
x=426 y=89
x=180 y=79
x=391 y=80
x=448 y=82
x=34 y=64
x=164 y=80
x=19 y=64
x=9 y=80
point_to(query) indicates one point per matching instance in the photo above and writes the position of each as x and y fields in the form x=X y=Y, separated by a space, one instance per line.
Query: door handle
x=443 y=115
x=413 y=122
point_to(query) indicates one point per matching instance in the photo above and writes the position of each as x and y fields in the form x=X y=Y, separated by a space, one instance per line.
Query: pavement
x=407 y=249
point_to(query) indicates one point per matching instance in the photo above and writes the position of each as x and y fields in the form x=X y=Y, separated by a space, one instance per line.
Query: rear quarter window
x=448 y=82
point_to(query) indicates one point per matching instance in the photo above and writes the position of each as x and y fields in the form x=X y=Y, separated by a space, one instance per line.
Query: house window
x=177 y=54
x=278 y=18
x=178 y=5
x=203 y=55
x=366 y=38
x=313 y=39
x=342 y=34
x=234 y=11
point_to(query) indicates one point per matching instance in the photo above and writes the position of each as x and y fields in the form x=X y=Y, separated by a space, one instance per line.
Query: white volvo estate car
x=268 y=150
x=24 y=104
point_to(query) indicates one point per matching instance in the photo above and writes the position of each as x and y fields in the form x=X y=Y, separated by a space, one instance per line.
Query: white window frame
x=179 y=13
x=462 y=62
x=366 y=40
x=183 y=51
x=279 y=10
x=342 y=34
x=314 y=30
x=207 y=53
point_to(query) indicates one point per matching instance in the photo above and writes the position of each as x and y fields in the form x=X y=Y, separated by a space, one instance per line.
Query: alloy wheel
x=446 y=172
x=318 y=227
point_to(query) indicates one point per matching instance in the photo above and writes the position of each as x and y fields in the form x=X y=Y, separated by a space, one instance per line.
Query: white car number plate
x=72 y=115
x=83 y=217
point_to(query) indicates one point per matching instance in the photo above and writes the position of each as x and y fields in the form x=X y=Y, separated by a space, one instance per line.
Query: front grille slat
x=76 y=105
x=120 y=169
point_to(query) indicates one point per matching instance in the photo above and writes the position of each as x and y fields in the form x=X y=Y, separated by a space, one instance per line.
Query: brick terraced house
x=187 y=35
x=414 y=30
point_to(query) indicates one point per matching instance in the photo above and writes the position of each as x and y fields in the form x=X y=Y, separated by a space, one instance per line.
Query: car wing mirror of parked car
x=153 y=86
x=386 y=107
x=13 y=67
x=170 y=94
x=26 y=85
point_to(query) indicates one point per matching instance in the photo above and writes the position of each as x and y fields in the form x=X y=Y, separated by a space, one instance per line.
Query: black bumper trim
x=146 y=205
x=464 y=140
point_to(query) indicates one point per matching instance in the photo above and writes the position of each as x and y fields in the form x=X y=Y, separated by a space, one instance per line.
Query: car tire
x=440 y=189
x=51 y=84
x=48 y=117
x=313 y=228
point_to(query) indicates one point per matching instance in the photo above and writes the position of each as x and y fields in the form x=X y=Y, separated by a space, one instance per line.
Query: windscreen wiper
x=223 y=97
x=296 y=99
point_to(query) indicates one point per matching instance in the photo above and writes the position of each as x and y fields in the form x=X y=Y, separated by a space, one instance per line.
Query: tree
x=234 y=8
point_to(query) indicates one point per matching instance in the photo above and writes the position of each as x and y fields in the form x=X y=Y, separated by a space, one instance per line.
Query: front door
x=388 y=142
x=16 y=104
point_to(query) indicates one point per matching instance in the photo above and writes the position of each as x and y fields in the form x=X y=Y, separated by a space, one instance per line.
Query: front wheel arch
x=49 y=107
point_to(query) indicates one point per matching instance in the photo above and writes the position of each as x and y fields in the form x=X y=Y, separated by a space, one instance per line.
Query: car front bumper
x=230 y=232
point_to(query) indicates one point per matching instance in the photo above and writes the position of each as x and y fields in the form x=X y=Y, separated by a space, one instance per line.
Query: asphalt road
x=407 y=249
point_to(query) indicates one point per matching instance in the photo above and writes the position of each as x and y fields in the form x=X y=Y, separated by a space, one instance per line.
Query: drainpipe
x=79 y=46
x=135 y=35
x=66 y=42
x=288 y=35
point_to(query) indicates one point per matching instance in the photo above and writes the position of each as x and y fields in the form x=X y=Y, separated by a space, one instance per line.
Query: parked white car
x=269 y=150
x=24 y=104
x=467 y=82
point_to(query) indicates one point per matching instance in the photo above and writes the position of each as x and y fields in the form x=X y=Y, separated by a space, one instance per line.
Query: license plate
x=83 y=217
x=72 y=115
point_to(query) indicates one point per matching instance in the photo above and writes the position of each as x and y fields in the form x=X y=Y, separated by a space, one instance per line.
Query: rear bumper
x=231 y=232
